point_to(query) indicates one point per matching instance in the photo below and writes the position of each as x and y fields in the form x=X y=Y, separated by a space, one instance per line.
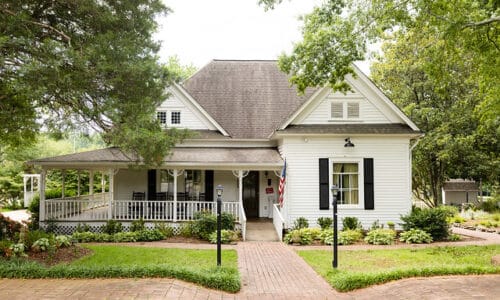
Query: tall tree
x=88 y=62
x=449 y=84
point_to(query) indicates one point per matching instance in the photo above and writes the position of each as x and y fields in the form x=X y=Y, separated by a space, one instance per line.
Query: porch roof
x=350 y=129
x=182 y=157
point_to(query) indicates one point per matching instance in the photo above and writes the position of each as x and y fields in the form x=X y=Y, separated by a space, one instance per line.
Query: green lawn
x=358 y=269
x=198 y=266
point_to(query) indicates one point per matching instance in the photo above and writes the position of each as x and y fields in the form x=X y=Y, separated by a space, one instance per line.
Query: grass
x=358 y=269
x=5 y=209
x=197 y=266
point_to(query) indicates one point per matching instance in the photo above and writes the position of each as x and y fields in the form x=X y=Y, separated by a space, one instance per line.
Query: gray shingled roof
x=460 y=185
x=249 y=99
x=349 y=129
x=191 y=155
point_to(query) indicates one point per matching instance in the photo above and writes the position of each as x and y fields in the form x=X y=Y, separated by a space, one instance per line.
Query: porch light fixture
x=219 y=190
x=348 y=143
x=334 y=189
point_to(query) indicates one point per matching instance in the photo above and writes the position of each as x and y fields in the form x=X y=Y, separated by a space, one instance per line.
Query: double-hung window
x=346 y=176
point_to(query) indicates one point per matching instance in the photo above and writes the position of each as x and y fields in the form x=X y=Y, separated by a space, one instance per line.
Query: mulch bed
x=62 y=255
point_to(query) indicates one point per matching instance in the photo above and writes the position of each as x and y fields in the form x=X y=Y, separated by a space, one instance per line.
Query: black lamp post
x=219 y=190
x=335 y=261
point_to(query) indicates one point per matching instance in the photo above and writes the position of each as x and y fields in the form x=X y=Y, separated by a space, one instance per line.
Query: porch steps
x=261 y=229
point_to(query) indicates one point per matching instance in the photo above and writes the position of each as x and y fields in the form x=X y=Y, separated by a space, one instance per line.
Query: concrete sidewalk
x=18 y=215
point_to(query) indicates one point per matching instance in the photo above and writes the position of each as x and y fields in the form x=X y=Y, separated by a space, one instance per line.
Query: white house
x=248 y=120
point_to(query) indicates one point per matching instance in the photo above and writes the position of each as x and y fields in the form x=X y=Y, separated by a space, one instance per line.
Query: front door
x=251 y=194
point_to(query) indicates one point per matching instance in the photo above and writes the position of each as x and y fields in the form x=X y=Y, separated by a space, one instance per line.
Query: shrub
x=376 y=225
x=41 y=245
x=300 y=223
x=415 y=236
x=101 y=238
x=112 y=227
x=82 y=227
x=455 y=219
x=491 y=205
x=62 y=241
x=34 y=209
x=9 y=228
x=454 y=237
x=5 y=249
x=313 y=232
x=326 y=237
x=84 y=237
x=17 y=250
x=325 y=222
x=391 y=225
x=167 y=231
x=186 y=230
x=299 y=236
x=430 y=220
x=204 y=224
x=51 y=225
x=380 y=236
x=138 y=225
x=29 y=237
x=123 y=237
x=351 y=223
x=227 y=221
x=149 y=235
x=226 y=237
x=348 y=237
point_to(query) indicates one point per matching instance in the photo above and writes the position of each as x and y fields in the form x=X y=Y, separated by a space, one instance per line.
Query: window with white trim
x=162 y=117
x=346 y=175
x=175 y=117
x=345 y=110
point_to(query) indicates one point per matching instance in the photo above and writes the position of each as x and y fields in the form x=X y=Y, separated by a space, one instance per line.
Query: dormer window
x=345 y=110
x=162 y=117
x=175 y=117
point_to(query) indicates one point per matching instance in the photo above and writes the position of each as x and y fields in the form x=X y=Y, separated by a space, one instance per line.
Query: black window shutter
x=368 y=178
x=209 y=185
x=324 y=180
x=151 y=185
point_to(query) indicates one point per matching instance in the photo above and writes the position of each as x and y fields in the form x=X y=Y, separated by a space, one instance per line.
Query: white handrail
x=243 y=222
x=278 y=221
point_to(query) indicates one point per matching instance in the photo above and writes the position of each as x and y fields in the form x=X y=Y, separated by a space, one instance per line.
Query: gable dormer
x=179 y=110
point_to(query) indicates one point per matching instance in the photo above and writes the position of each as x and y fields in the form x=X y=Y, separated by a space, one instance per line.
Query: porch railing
x=97 y=209
x=278 y=221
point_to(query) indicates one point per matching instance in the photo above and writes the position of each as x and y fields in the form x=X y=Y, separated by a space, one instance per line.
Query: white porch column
x=63 y=174
x=240 y=190
x=43 y=174
x=78 y=184
x=175 y=195
x=111 y=174
x=91 y=184
x=103 y=183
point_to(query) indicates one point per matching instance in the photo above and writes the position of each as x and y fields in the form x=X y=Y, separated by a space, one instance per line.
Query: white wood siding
x=321 y=112
x=128 y=181
x=391 y=176
x=190 y=117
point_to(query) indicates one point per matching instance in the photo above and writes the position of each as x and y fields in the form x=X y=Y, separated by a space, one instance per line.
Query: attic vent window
x=162 y=117
x=343 y=110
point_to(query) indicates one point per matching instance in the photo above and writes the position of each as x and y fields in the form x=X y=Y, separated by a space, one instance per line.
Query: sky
x=198 y=31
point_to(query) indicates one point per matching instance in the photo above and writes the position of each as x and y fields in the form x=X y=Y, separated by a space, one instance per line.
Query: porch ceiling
x=181 y=157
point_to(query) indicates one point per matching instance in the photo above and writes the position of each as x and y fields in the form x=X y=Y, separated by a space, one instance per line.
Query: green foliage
x=454 y=237
x=300 y=223
x=177 y=71
x=166 y=230
x=197 y=266
x=5 y=248
x=302 y=236
x=82 y=227
x=29 y=237
x=359 y=269
x=391 y=225
x=147 y=235
x=83 y=237
x=8 y=228
x=205 y=223
x=430 y=220
x=41 y=245
x=349 y=237
x=227 y=221
x=186 y=229
x=144 y=235
x=351 y=223
x=122 y=237
x=415 y=236
x=325 y=222
x=138 y=225
x=491 y=205
x=455 y=219
x=376 y=225
x=17 y=250
x=227 y=237
x=380 y=237
x=62 y=241
x=112 y=227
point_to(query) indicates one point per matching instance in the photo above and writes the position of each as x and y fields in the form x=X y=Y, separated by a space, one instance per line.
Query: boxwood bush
x=430 y=220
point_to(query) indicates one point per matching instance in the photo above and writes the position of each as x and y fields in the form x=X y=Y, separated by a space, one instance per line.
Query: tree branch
x=484 y=22
x=59 y=32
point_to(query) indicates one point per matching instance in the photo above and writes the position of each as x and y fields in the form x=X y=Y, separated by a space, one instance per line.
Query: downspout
x=410 y=169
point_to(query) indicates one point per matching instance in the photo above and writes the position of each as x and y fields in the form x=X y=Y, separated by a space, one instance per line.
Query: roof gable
x=374 y=106
x=249 y=99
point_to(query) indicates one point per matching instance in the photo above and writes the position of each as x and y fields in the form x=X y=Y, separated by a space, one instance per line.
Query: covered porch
x=173 y=193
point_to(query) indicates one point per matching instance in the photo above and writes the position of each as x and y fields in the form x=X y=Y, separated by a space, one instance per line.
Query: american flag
x=281 y=189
